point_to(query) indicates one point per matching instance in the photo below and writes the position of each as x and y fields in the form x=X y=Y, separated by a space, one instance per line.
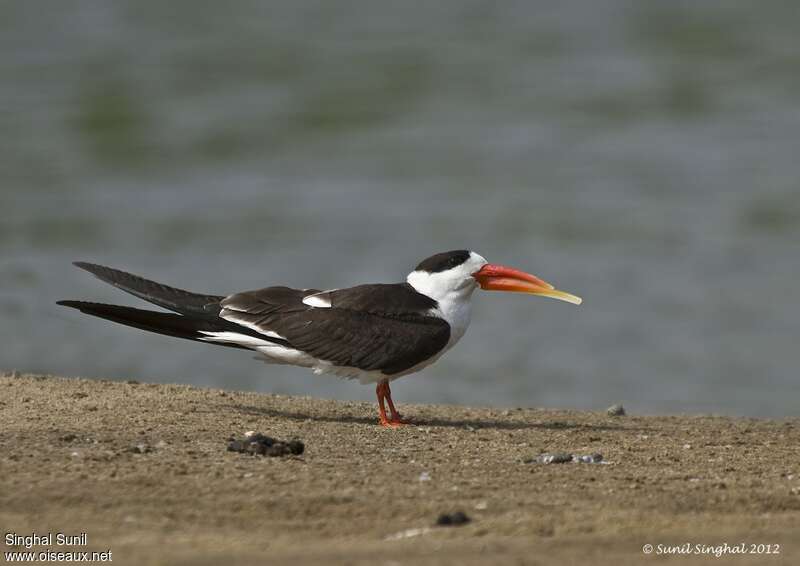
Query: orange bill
x=493 y=277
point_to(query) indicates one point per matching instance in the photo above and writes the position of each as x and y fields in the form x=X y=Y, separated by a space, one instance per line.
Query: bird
x=375 y=332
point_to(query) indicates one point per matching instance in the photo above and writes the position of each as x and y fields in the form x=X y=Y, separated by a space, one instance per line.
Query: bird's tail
x=170 y=298
x=200 y=328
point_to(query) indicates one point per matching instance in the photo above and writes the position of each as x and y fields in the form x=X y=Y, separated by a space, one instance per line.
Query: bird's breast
x=457 y=313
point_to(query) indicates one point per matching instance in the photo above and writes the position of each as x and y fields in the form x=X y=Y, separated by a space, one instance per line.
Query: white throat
x=452 y=290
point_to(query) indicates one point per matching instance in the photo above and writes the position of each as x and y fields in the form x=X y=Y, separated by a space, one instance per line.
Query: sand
x=144 y=471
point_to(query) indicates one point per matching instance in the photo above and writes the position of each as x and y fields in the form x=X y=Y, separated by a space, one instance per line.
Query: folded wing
x=371 y=327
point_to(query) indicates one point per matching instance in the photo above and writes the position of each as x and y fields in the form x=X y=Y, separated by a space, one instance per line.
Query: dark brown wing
x=370 y=327
x=383 y=299
x=270 y=300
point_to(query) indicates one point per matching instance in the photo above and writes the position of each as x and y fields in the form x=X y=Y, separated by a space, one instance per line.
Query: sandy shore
x=144 y=471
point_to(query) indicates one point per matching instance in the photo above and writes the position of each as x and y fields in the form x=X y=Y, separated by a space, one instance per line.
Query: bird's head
x=460 y=272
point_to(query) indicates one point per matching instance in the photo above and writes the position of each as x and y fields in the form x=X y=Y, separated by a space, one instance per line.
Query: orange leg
x=383 y=392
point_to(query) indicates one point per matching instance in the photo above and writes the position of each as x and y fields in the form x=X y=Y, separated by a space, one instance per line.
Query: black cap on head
x=443 y=261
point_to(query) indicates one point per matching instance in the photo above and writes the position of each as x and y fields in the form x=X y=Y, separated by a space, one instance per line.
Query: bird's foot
x=398 y=418
x=394 y=422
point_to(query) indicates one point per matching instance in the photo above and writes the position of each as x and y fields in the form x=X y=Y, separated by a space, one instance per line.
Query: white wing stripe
x=231 y=317
x=233 y=338
x=319 y=300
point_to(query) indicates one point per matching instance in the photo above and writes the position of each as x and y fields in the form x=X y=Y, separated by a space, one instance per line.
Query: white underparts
x=277 y=354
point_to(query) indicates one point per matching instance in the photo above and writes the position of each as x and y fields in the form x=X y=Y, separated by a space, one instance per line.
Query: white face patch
x=452 y=290
x=444 y=284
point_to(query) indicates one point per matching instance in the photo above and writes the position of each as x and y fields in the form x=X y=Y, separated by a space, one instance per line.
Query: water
x=642 y=156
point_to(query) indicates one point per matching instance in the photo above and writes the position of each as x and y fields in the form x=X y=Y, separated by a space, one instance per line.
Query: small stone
x=259 y=444
x=557 y=458
x=296 y=447
x=616 y=410
x=564 y=458
x=589 y=458
x=452 y=519
x=424 y=476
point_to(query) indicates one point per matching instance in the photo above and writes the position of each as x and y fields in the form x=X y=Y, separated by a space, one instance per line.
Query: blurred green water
x=641 y=155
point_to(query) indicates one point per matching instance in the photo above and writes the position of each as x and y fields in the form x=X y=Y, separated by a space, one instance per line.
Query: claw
x=394 y=423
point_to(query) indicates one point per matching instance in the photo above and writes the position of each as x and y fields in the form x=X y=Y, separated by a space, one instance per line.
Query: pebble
x=565 y=457
x=453 y=519
x=260 y=444
x=588 y=458
x=557 y=458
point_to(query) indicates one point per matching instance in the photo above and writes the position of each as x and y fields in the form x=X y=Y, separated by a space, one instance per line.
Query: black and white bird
x=374 y=333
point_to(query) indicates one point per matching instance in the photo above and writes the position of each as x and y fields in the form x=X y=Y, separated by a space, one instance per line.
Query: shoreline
x=144 y=470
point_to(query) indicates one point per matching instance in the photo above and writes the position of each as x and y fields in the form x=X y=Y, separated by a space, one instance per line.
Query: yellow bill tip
x=561 y=296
